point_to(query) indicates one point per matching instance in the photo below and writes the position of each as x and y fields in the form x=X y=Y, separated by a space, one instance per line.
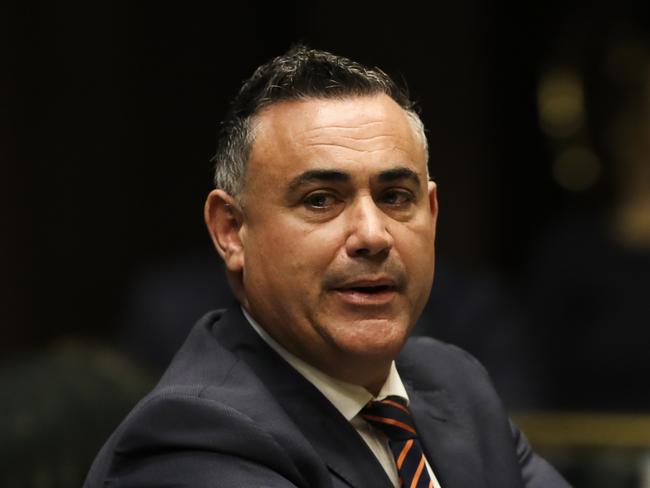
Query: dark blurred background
x=539 y=125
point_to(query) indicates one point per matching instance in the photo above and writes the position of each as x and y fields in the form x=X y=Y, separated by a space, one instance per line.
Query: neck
x=372 y=376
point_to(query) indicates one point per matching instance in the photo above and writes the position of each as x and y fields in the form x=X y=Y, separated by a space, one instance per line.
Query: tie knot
x=392 y=417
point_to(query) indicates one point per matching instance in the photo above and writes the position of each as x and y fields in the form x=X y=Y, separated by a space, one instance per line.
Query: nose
x=368 y=232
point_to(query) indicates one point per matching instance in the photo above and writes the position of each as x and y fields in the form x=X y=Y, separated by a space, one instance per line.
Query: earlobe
x=224 y=220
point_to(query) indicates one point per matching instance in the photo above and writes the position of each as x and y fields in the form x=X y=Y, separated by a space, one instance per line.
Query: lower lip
x=355 y=297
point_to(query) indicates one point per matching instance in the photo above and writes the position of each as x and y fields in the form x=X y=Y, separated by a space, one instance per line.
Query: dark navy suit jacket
x=230 y=412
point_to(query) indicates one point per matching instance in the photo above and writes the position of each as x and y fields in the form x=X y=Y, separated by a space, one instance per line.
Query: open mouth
x=370 y=289
x=368 y=294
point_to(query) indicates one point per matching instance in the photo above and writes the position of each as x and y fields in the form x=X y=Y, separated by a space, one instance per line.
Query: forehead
x=357 y=133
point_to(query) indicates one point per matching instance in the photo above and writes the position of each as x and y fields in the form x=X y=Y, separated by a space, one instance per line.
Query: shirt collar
x=348 y=399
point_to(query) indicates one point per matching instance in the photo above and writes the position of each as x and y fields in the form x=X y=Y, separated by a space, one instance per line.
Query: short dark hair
x=300 y=73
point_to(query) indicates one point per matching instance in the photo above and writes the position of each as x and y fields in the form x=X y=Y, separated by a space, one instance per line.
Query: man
x=324 y=216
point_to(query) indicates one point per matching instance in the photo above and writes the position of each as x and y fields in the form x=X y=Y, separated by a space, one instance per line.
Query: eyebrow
x=318 y=175
x=399 y=173
x=331 y=175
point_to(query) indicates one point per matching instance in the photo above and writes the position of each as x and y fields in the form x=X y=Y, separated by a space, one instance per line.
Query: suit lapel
x=338 y=444
x=447 y=443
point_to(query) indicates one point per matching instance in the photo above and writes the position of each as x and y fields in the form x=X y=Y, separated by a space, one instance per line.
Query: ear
x=433 y=205
x=224 y=220
x=433 y=200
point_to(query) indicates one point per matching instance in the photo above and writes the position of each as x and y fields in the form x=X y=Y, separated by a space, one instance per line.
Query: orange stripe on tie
x=396 y=405
x=430 y=484
x=405 y=451
x=418 y=472
x=394 y=422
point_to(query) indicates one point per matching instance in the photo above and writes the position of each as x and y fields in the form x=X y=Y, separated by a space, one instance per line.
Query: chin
x=380 y=338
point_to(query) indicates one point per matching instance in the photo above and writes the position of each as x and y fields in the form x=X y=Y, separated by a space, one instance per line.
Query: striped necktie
x=392 y=418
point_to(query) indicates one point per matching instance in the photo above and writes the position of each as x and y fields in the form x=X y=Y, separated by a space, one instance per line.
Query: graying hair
x=301 y=73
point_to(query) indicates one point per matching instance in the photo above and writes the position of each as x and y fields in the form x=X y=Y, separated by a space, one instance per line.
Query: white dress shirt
x=350 y=399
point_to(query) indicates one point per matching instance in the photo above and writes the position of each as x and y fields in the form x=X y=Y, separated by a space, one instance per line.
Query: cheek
x=416 y=249
x=286 y=251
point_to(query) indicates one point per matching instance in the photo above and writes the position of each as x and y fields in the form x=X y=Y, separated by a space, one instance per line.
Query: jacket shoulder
x=198 y=434
x=428 y=364
x=209 y=418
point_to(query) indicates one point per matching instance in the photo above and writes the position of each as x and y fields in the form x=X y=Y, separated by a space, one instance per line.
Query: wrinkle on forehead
x=340 y=145
x=368 y=129
x=362 y=138
x=379 y=142
x=345 y=127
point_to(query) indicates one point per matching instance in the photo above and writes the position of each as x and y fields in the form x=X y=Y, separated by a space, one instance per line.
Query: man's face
x=338 y=230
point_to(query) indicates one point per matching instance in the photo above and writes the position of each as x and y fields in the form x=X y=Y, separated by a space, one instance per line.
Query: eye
x=397 y=198
x=319 y=200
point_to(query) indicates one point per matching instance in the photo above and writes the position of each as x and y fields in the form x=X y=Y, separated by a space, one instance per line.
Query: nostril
x=371 y=254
